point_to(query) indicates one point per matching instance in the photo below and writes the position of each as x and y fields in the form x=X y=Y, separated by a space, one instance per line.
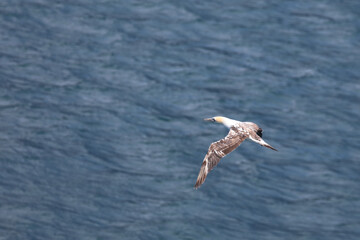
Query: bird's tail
x=260 y=141
x=268 y=146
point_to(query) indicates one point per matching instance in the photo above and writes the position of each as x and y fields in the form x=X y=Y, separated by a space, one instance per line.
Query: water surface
x=101 y=108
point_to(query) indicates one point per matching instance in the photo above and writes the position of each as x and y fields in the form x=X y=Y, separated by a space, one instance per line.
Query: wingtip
x=197 y=185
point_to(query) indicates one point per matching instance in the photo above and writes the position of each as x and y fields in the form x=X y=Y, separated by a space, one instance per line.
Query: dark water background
x=101 y=108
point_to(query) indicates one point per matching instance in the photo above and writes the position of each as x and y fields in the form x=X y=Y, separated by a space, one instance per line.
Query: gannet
x=239 y=131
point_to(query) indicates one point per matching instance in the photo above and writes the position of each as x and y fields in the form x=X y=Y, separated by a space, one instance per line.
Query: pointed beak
x=209 y=119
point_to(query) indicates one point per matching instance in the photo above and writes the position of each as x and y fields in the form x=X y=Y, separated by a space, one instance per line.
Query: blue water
x=101 y=108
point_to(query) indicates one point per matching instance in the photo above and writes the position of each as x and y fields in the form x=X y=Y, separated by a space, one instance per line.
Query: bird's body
x=239 y=131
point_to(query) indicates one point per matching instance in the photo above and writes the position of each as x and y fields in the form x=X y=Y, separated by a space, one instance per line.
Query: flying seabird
x=239 y=131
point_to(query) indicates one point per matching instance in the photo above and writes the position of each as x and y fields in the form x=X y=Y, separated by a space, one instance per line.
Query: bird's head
x=217 y=119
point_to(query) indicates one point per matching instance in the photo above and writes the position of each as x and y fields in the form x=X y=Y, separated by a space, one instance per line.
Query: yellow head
x=217 y=119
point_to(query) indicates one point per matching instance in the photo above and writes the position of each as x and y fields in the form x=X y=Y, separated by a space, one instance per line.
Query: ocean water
x=101 y=108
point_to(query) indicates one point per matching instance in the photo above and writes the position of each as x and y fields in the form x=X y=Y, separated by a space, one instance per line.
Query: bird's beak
x=209 y=119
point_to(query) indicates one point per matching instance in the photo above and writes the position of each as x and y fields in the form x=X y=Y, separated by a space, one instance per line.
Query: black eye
x=213 y=119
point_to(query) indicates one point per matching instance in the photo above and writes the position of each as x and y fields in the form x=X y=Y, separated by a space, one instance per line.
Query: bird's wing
x=218 y=150
x=256 y=138
x=254 y=127
x=255 y=134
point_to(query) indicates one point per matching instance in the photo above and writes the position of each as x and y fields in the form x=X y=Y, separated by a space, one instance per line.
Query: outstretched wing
x=220 y=149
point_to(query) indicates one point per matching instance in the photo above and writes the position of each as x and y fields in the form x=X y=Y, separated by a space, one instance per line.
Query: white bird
x=239 y=131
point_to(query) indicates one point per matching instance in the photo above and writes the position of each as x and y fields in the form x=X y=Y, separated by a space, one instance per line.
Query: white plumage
x=239 y=131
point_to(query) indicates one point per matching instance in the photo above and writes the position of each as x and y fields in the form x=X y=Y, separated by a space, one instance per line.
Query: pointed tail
x=268 y=146
x=260 y=141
